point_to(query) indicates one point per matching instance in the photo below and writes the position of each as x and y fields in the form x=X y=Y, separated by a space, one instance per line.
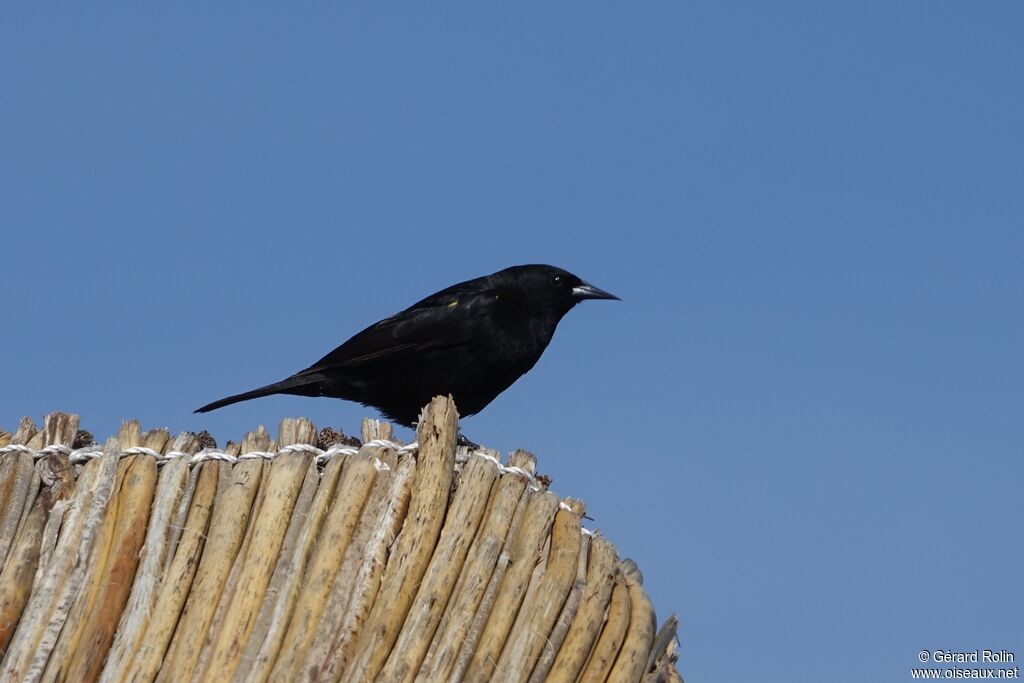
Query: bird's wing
x=442 y=320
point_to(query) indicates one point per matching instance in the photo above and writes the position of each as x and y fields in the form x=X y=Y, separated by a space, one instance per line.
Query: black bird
x=471 y=340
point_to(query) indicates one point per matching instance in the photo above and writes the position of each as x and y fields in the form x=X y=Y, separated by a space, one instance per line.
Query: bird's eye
x=557 y=281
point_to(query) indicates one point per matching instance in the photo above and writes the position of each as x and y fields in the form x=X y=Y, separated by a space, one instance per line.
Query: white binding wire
x=83 y=455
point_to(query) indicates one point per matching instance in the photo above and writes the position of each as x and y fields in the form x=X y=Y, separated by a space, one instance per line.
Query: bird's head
x=553 y=288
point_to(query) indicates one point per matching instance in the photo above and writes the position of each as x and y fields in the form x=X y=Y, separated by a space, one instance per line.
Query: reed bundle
x=309 y=557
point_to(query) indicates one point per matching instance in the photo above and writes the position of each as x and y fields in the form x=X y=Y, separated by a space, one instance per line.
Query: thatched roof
x=309 y=557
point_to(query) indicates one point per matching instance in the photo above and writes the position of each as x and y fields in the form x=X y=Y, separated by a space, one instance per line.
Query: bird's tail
x=308 y=385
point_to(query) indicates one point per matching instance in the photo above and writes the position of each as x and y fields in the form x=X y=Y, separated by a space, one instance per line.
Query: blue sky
x=804 y=420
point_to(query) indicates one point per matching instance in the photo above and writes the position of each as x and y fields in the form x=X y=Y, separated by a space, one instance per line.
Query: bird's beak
x=588 y=291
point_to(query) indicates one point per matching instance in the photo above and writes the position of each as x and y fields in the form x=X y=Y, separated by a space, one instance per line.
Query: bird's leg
x=463 y=441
